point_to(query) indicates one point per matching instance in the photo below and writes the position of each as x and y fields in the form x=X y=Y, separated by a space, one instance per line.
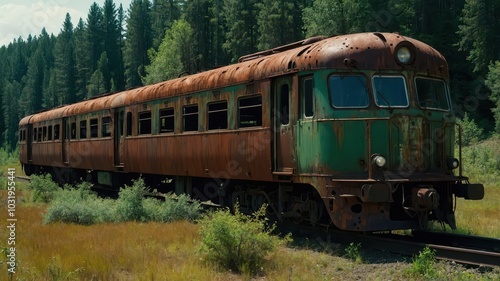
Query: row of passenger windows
x=249 y=114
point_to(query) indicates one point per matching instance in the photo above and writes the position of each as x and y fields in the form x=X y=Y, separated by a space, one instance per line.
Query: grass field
x=168 y=251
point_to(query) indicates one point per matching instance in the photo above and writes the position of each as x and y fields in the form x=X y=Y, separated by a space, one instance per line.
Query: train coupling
x=470 y=191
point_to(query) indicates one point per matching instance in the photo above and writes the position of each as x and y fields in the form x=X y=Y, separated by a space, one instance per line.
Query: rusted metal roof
x=351 y=52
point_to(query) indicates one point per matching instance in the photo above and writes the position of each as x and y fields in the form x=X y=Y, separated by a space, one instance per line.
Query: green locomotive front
x=378 y=138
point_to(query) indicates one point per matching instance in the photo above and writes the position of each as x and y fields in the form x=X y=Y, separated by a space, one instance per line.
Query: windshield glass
x=348 y=91
x=390 y=91
x=432 y=94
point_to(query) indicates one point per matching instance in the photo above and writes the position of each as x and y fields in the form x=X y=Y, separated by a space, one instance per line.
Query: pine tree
x=163 y=14
x=94 y=36
x=12 y=91
x=97 y=83
x=32 y=93
x=339 y=17
x=138 y=41
x=81 y=60
x=277 y=22
x=479 y=33
x=112 y=45
x=65 y=64
x=241 y=35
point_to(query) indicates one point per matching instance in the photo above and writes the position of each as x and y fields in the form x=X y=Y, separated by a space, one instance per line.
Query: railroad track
x=463 y=249
x=23 y=178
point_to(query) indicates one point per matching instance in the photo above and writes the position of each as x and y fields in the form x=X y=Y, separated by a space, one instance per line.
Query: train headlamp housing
x=452 y=163
x=405 y=53
x=378 y=161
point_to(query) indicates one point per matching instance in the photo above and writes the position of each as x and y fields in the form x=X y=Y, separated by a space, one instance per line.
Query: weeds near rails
x=423 y=264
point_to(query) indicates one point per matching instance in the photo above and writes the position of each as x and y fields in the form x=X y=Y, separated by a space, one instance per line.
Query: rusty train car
x=354 y=129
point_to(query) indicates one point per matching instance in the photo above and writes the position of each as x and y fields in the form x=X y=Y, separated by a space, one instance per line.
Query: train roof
x=349 y=52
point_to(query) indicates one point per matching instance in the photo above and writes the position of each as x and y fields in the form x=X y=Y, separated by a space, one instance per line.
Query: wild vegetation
x=238 y=242
x=117 y=47
x=136 y=250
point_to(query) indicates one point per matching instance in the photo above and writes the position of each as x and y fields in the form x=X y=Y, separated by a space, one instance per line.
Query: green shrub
x=471 y=133
x=79 y=205
x=172 y=209
x=481 y=161
x=43 y=188
x=129 y=205
x=423 y=264
x=352 y=252
x=237 y=242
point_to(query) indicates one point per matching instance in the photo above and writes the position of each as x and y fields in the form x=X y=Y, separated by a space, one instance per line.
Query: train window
x=217 y=115
x=250 y=112
x=73 y=130
x=49 y=133
x=44 y=137
x=129 y=123
x=432 y=94
x=39 y=137
x=390 y=91
x=106 y=127
x=308 y=100
x=83 y=129
x=56 y=131
x=167 y=120
x=94 y=128
x=144 y=122
x=34 y=134
x=348 y=91
x=190 y=118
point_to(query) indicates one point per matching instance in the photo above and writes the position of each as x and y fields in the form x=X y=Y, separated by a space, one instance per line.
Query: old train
x=355 y=129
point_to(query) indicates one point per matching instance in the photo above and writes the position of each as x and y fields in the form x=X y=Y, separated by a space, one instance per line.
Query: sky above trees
x=20 y=18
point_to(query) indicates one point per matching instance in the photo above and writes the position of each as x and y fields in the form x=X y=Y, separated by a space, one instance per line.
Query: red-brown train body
x=279 y=128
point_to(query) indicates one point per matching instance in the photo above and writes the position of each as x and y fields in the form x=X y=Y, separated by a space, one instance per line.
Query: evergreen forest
x=116 y=48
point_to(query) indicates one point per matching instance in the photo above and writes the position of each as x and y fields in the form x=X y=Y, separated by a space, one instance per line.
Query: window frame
x=94 y=123
x=344 y=75
x=106 y=131
x=305 y=97
x=57 y=131
x=446 y=89
x=405 y=85
x=72 y=131
x=190 y=116
x=251 y=107
x=83 y=129
x=211 y=113
x=167 y=116
x=141 y=120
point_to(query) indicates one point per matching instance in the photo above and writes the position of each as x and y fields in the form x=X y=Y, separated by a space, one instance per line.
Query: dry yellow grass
x=126 y=251
x=156 y=251
x=480 y=217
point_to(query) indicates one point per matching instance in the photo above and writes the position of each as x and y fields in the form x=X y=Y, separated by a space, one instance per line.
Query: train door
x=283 y=126
x=65 y=136
x=29 y=142
x=118 y=135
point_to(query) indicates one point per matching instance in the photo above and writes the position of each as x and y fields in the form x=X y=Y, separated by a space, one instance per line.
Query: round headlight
x=379 y=161
x=404 y=55
x=453 y=163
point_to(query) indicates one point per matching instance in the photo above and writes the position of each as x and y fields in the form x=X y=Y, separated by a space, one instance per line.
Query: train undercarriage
x=350 y=205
